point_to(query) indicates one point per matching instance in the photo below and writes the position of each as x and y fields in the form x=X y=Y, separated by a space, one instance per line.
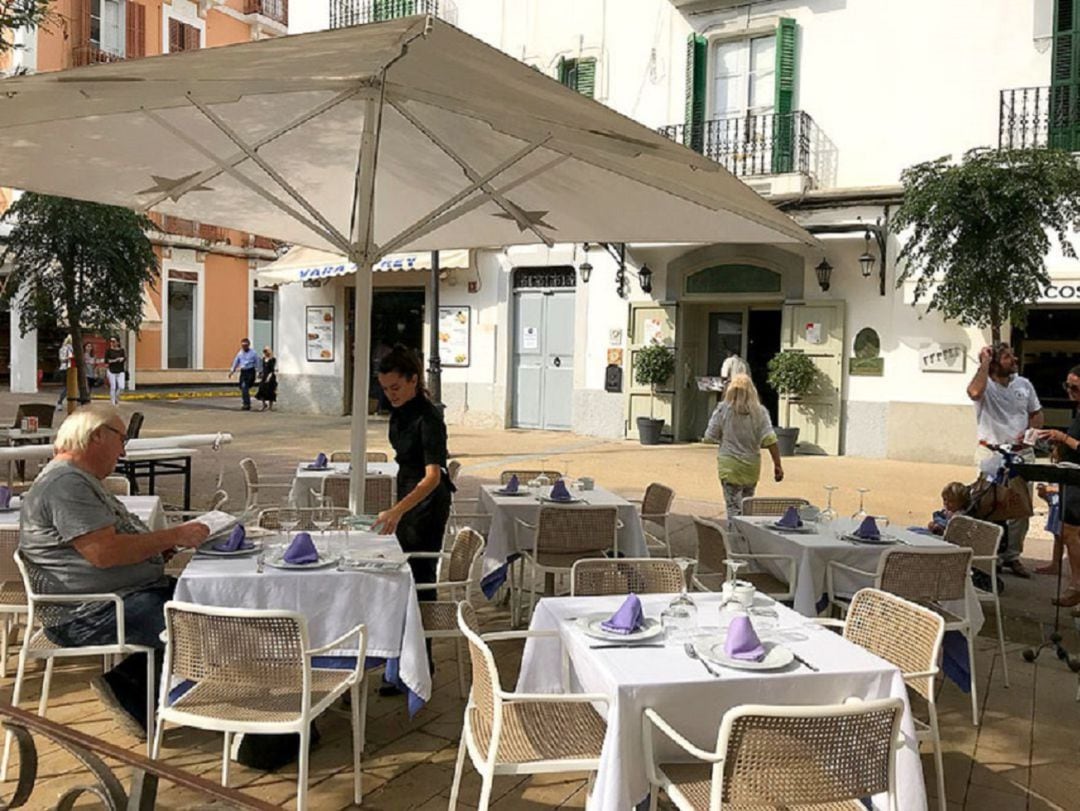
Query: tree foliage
x=15 y=14
x=980 y=230
x=77 y=263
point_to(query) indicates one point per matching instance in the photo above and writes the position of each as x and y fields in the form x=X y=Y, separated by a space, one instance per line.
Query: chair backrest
x=924 y=574
x=376 y=456
x=778 y=756
x=598 y=576
x=341 y=456
x=484 y=693
x=135 y=425
x=378 y=492
x=42 y=411
x=981 y=537
x=217 y=501
x=712 y=546
x=770 y=505
x=117 y=485
x=566 y=534
x=269 y=518
x=241 y=647
x=251 y=481
x=453 y=467
x=657 y=499
x=37 y=581
x=898 y=631
x=526 y=476
x=12 y=590
x=468 y=544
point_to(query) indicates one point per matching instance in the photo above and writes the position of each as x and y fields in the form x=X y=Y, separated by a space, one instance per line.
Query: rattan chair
x=562 y=535
x=253 y=673
x=711 y=571
x=43 y=599
x=256 y=486
x=269 y=518
x=526 y=476
x=341 y=456
x=453 y=584
x=13 y=607
x=117 y=485
x=378 y=492
x=982 y=538
x=135 y=424
x=516 y=733
x=372 y=457
x=770 y=505
x=908 y=636
x=827 y=756
x=600 y=576
x=927 y=576
x=655 y=509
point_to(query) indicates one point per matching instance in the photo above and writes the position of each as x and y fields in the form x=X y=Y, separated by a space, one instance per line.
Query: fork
x=693 y=654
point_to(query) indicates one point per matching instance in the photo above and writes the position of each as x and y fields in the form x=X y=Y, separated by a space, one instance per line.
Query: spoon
x=693 y=654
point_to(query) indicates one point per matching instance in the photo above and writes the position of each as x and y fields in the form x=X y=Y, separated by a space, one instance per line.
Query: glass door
x=725 y=336
x=181 y=324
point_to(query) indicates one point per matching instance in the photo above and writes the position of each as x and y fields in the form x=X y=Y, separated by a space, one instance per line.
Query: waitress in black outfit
x=1068 y=443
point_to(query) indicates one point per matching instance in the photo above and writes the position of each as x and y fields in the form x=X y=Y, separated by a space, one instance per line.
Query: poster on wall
x=320 y=334
x=454 y=326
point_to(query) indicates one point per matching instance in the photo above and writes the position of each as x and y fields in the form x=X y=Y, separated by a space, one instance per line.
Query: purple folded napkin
x=791 y=519
x=301 y=550
x=5 y=497
x=559 y=491
x=627 y=619
x=742 y=641
x=868 y=529
x=320 y=461
x=512 y=485
x=236 y=541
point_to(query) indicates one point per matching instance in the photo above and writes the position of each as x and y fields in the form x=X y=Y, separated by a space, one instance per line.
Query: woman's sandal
x=1070 y=599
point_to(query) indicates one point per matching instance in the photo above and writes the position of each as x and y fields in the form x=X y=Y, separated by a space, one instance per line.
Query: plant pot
x=649 y=430
x=786 y=439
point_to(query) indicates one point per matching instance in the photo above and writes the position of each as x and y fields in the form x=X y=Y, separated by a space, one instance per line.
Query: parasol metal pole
x=434 y=362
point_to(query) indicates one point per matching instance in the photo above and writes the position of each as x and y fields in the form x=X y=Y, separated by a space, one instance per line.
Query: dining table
x=333 y=598
x=307 y=480
x=148 y=508
x=506 y=539
x=661 y=674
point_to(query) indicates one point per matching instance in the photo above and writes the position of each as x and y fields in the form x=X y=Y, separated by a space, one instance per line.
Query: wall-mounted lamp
x=585 y=269
x=645 y=279
x=824 y=274
x=866 y=259
x=617 y=252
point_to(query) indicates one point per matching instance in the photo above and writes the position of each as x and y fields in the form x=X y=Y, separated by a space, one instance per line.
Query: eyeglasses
x=123 y=436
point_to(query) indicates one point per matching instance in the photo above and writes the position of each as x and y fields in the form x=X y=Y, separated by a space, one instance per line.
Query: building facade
x=206 y=299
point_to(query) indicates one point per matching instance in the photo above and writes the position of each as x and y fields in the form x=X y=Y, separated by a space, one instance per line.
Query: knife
x=802 y=661
x=619 y=645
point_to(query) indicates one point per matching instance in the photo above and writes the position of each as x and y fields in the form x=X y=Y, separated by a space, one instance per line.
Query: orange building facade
x=206 y=298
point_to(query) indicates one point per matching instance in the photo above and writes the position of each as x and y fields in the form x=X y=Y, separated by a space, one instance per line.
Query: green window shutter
x=694 y=130
x=585 y=78
x=564 y=70
x=1064 y=79
x=783 y=154
x=392 y=9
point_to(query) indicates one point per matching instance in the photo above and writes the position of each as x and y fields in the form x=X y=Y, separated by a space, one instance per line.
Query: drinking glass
x=828 y=515
x=861 y=513
x=683 y=600
x=678 y=621
x=289 y=516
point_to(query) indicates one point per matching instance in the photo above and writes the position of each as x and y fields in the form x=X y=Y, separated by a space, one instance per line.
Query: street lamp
x=645 y=279
x=866 y=259
x=586 y=271
x=824 y=274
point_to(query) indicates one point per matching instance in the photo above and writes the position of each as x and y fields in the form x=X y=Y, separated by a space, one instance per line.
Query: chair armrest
x=358 y=631
x=828 y=622
x=561 y=698
x=115 y=599
x=426 y=555
x=651 y=716
x=275 y=485
x=524 y=523
x=445 y=584
x=656 y=518
x=836 y=565
x=497 y=636
x=922 y=674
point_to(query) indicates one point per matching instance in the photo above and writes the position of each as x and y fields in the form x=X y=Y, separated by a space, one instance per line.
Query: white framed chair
x=253 y=673
x=521 y=733
x=117 y=485
x=454 y=584
x=770 y=505
x=466 y=513
x=595 y=577
x=378 y=492
x=655 y=507
x=818 y=756
x=257 y=487
x=41 y=608
x=13 y=605
x=711 y=572
x=927 y=576
x=982 y=538
x=909 y=636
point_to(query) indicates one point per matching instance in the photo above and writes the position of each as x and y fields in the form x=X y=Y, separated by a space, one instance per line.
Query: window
x=182 y=292
x=579 y=75
x=106 y=18
x=262 y=331
x=183 y=37
x=744 y=77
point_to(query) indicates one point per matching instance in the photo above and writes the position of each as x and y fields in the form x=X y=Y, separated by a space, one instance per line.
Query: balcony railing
x=360 y=12
x=90 y=54
x=1039 y=118
x=763 y=144
x=276 y=10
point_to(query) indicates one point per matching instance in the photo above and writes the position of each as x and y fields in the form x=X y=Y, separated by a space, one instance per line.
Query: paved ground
x=1023 y=756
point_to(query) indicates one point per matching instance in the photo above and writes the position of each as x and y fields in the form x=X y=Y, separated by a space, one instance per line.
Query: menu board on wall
x=454 y=326
x=320 y=334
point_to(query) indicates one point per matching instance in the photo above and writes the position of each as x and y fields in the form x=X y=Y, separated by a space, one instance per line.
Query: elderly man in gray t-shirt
x=77 y=538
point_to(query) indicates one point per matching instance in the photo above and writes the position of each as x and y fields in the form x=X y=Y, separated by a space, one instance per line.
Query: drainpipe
x=434 y=364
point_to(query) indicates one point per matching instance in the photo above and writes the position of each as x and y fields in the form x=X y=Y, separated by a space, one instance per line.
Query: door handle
x=556 y=362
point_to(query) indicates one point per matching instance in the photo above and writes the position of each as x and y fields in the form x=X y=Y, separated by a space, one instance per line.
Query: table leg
x=549 y=584
x=187 y=483
x=151 y=470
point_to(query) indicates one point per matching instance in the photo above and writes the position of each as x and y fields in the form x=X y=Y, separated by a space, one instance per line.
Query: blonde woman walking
x=741 y=426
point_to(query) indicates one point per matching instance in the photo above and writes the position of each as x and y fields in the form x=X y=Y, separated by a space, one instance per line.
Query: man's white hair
x=78 y=429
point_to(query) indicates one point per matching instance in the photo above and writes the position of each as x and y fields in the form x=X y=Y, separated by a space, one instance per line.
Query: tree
x=15 y=14
x=980 y=230
x=77 y=263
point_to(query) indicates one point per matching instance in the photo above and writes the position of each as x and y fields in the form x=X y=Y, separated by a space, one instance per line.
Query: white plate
x=321 y=563
x=590 y=626
x=217 y=553
x=778 y=528
x=885 y=540
x=571 y=500
x=502 y=492
x=776 y=655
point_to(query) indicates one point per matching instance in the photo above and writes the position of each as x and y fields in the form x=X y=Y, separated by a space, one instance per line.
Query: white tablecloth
x=333 y=602
x=506 y=539
x=813 y=551
x=307 y=480
x=694 y=702
x=148 y=508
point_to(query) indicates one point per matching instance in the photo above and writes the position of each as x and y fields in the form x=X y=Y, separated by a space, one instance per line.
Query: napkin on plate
x=868 y=530
x=512 y=485
x=559 y=491
x=742 y=640
x=320 y=461
x=790 y=519
x=627 y=619
x=216 y=521
x=236 y=541
x=5 y=497
x=301 y=550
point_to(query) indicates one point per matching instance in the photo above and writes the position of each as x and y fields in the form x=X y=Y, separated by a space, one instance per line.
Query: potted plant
x=653 y=366
x=792 y=374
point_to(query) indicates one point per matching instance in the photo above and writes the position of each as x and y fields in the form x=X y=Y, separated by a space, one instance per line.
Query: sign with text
x=943 y=358
x=454 y=326
x=320 y=334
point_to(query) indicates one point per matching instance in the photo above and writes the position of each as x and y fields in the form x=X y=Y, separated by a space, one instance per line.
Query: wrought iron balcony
x=276 y=10
x=90 y=54
x=359 y=12
x=1039 y=118
x=765 y=144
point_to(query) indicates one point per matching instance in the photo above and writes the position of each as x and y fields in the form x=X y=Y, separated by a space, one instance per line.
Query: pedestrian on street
x=247 y=363
x=91 y=364
x=1006 y=406
x=267 y=393
x=67 y=352
x=1067 y=447
x=116 y=360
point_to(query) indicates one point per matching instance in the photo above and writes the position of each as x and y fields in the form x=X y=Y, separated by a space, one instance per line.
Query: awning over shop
x=302 y=264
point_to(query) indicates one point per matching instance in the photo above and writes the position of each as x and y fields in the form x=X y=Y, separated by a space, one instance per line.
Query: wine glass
x=861 y=513
x=684 y=598
x=289 y=516
x=323 y=517
x=828 y=515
